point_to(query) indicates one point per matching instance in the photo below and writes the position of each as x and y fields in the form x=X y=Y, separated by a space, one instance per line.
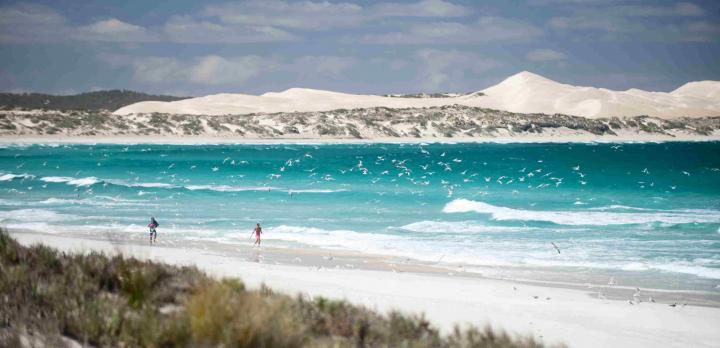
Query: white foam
x=86 y=181
x=315 y=190
x=91 y=180
x=459 y=227
x=581 y=217
x=95 y=201
x=139 y=184
x=56 y=179
x=43 y=215
x=228 y=188
x=10 y=176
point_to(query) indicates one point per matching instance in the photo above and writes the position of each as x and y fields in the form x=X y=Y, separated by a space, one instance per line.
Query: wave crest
x=582 y=217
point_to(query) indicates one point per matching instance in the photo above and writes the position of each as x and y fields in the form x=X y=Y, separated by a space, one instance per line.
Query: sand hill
x=524 y=92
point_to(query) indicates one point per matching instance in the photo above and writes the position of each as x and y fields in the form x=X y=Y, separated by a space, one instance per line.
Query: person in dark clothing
x=153 y=232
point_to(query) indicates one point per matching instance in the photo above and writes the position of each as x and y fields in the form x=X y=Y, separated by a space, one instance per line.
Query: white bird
x=576 y=168
x=686 y=173
x=215 y=169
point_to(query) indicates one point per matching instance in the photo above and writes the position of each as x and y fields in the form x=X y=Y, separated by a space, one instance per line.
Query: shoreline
x=324 y=258
x=210 y=140
x=553 y=314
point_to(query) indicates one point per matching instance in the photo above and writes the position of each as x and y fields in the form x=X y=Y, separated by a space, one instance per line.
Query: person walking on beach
x=257 y=231
x=153 y=233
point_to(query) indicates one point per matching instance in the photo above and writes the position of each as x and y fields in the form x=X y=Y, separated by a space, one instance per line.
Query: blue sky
x=394 y=46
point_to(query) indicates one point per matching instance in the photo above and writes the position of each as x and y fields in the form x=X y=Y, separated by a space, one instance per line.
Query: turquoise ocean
x=641 y=214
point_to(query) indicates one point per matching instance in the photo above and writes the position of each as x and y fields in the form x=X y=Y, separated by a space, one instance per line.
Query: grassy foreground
x=50 y=298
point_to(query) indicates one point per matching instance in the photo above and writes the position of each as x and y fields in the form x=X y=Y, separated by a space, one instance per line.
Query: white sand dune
x=524 y=92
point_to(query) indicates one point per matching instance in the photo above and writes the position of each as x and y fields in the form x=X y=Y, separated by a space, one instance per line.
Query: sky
x=194 y=48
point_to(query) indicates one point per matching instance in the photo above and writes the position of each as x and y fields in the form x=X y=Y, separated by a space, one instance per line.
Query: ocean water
x=646 y=214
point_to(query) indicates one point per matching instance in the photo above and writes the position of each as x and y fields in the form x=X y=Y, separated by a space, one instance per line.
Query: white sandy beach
x=573 y=317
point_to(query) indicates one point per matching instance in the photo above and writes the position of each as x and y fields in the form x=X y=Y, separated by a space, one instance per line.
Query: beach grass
x=54 y=299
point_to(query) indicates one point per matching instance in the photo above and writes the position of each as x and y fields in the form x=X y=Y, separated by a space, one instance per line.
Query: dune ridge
x=524 y=92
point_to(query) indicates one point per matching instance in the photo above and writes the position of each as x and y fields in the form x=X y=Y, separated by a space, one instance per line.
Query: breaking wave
x=581 y=217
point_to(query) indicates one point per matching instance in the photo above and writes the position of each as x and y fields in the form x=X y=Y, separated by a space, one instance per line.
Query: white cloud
x=326 y=66
x=702 y=31
x=425 y=8
x=24 y=23
x=31 y=23
x=158 y=69
x=113 y=30
x=485 y=29
x=634 y=22
x=297 y=15
x=205 y=70
x=233 y=71
x=242 y=22
x=450 y=70
x=189 y=30
x=216 y=70
x=626 y=8
x=681 y=9
x=113 y=26
x=324 y=15
x=544 y=55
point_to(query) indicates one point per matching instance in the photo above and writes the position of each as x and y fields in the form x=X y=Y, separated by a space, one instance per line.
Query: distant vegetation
x=444 y=122
x=100 y=100
x=433 y=95
x=54 y=299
